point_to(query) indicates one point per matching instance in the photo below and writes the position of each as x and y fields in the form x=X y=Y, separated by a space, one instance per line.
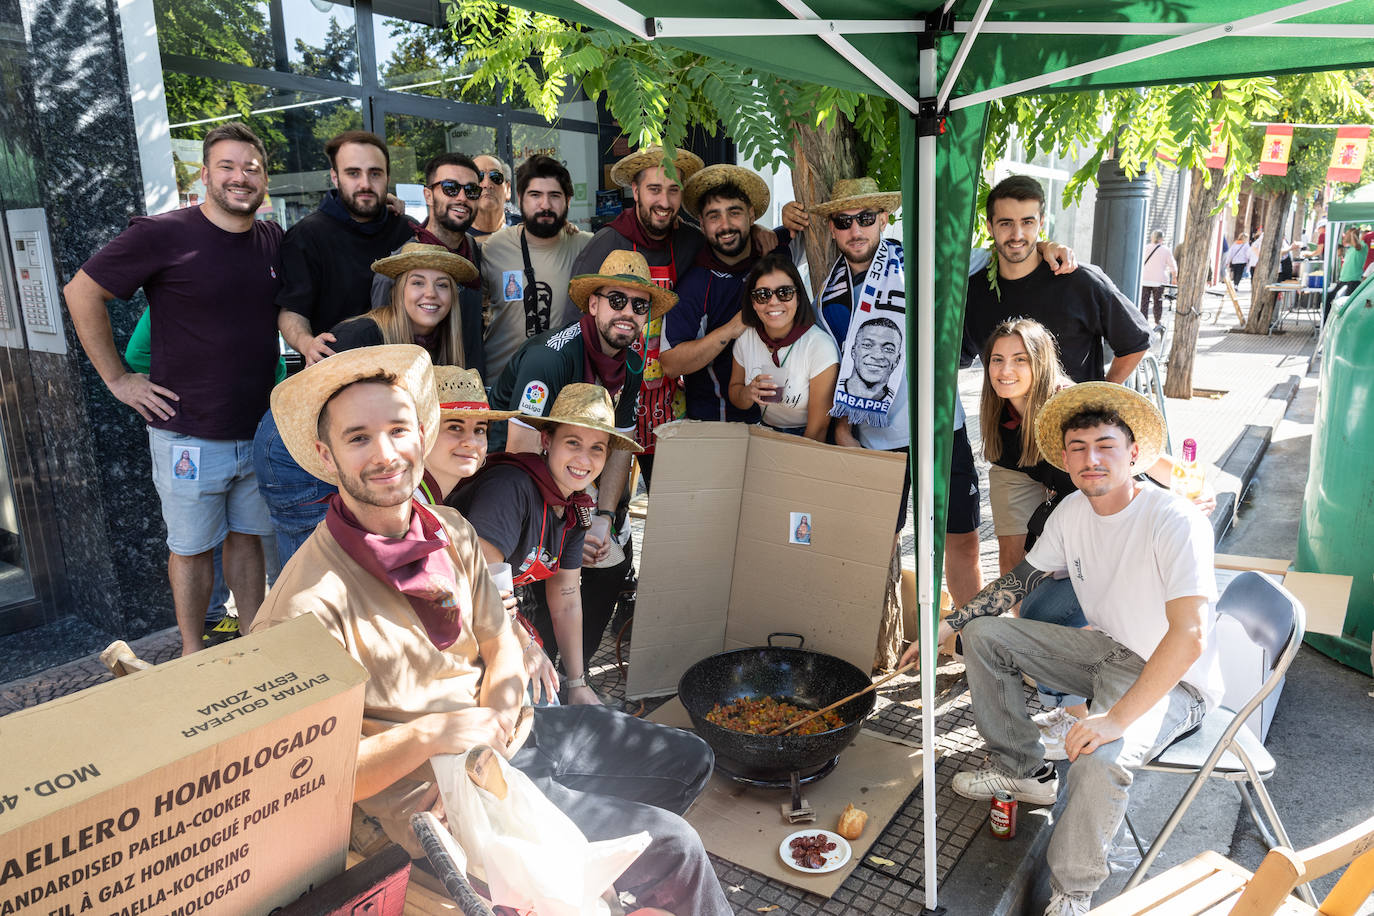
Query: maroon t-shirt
x=211 y=297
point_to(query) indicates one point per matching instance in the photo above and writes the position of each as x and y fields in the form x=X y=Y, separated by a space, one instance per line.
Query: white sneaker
x=1062 y=904
x=1054 y=727
x=1041 y=789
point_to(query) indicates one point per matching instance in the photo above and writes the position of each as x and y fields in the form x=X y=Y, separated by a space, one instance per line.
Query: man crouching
x=403 y=587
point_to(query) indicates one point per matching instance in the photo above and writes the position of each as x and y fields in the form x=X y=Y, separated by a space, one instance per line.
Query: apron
x=660 y=398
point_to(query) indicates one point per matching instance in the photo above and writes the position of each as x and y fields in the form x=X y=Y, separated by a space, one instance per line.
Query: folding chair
x=1221 y=747
x=1212 y=884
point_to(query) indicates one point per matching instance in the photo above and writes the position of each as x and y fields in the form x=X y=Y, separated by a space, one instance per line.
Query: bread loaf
x=852 y=822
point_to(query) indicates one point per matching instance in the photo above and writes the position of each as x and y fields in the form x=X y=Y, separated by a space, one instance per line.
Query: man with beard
x=617 y=301
x=526 y=268
x=451 y=195
x=492 y=211
x=404 y=589
x=327 y=256
x=211 y=274
x=699 y=332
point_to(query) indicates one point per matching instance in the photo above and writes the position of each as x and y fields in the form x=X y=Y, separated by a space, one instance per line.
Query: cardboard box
x=726 y=561
x=219 y=783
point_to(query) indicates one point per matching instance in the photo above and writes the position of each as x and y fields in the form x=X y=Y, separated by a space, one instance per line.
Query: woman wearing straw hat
x=423 y=306
x=532 y=512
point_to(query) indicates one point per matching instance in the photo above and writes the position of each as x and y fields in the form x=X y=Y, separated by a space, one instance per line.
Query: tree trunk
x=822 y=157
x=1267 y=267
x=1192 y=281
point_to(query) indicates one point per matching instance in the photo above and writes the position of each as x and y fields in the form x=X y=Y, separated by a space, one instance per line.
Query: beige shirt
x=408 y=675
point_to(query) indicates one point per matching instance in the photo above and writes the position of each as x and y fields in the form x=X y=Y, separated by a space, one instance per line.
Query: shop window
x=317 y=37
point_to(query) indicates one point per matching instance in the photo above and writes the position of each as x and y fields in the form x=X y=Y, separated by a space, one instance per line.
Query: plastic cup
x=501 y=575
x=779 y=380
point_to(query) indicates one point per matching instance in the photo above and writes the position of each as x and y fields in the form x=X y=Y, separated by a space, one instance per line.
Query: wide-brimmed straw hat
x=857 y=194
x=428 y=257
x=297 y=402
x=713 y=176
x=588 y=406
x=622 y=268
x=461 y=394
x=624 y=171
x=1136 y=410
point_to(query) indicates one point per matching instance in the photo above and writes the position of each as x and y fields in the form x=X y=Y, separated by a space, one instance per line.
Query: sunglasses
x=844 y=221
x=763 y=294
x=451 y=188
x=619 y=300
x=496 y=175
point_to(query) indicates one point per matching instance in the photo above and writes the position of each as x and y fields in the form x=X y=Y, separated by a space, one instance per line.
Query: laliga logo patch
x=532 y=401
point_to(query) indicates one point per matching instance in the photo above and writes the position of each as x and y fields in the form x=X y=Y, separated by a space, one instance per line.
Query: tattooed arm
x=1000 y=596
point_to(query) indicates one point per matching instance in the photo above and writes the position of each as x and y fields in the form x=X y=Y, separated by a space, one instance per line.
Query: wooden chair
x=1214 y=885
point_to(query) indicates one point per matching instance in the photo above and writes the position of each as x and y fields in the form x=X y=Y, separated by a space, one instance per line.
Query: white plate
x=835 y=858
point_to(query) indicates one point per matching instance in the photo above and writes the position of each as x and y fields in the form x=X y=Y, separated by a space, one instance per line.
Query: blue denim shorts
x=208 y=488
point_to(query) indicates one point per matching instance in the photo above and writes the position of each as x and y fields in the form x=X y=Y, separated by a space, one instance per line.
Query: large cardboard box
x=219 y=783
x=726 y=559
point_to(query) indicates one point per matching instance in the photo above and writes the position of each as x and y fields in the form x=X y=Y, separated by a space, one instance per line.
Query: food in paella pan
x=765 y=715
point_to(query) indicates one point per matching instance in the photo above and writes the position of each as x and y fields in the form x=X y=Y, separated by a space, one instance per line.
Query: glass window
x=415 y=141
x=574 y=148
x=319 y=37
x=423 y=59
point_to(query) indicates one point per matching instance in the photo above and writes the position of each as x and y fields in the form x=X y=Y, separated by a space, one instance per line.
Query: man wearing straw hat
x=1140 y=561
x=617 y=301
x=404 y=589
x=698 y=334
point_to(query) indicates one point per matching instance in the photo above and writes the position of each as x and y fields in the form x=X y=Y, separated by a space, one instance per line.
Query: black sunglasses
x=762 y=294
x=496 y=175
x=844 y=221
x=619 y=300
x=451 y=188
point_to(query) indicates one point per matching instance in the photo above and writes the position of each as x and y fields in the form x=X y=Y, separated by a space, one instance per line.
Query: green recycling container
x=1337 y=530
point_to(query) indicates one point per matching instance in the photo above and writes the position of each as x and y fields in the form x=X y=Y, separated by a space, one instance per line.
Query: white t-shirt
x=812 y=354
x=503 y=289
x=1124 y=567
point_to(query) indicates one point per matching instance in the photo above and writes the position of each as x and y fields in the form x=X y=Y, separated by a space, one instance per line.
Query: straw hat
x=713 y=176
x=622 y=268
x=428 y=257
x=858 y=194
x=588 y=406
x=1138 y=411
x=461 y=395
x=297 y=402
x=624 y=172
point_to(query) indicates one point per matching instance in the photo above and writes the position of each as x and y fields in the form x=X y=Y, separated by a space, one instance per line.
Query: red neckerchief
x=628 y=225
x=787 y=340
x=417 y=565
x=464 y=249
x=1013 y=420
x=598 y=368
x=537 y=469
x=707 y=257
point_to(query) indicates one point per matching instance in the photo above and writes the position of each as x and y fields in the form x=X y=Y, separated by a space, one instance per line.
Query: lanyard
x=536 y=317
x=536 y=570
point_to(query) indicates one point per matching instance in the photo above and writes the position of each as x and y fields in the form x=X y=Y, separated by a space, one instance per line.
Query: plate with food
x=815 y=852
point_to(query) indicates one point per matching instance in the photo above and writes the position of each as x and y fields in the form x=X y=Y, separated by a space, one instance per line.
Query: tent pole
x=857 y=58
x=628 y=18
x=952 y=74
x=924 y=447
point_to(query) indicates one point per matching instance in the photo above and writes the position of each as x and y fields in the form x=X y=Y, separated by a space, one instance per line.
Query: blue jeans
x=296 y=500
x=1055 y=602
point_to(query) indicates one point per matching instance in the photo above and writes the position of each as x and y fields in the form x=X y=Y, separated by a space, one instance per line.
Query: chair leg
x=1167 y=830
x=1270 y=841
x=1270 y=812
x=1135 y=837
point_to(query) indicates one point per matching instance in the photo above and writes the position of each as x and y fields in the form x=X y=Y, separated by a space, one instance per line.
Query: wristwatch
x=579 y=681
x=609 y=513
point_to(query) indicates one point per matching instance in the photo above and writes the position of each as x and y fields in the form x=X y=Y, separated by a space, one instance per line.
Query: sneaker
x=225 y=630
x=1040 y=788
x=1062 y=904
x=1054 y=727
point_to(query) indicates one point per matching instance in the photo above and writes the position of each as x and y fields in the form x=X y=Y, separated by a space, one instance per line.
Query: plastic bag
x=531 y=855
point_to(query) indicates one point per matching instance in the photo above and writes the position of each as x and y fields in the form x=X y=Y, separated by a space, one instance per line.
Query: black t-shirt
x=327 y=266
x=1044 y=472
x=356 y=332
x=506 y=510
x=214 y=326
x=1080 y=310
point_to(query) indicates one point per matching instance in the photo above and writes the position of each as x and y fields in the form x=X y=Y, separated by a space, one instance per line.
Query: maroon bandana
x=598 y=368
x=787 y=340
x=579 y=503
x=628 y=225
x=417 y=565
x=708 y=258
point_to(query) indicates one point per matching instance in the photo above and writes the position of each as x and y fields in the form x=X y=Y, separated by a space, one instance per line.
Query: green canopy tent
x=942 y=62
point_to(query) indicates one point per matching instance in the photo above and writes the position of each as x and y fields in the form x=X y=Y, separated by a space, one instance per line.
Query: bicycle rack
x=1149 y=381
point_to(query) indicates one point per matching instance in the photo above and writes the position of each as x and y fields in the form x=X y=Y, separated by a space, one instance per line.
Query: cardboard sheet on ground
x=724 y=562
x=744 y=825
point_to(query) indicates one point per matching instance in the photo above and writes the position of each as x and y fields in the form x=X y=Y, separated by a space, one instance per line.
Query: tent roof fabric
x=1356 y=207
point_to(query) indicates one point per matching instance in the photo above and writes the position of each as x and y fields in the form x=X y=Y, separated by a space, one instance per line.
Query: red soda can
x=1002 y=822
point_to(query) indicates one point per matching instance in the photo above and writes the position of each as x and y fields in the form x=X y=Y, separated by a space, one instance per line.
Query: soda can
x=1002 y=821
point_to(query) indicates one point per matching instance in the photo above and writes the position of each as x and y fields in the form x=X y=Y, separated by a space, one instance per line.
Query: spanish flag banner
x=1216 y=156
x=1347 y=158
x=1278 y=143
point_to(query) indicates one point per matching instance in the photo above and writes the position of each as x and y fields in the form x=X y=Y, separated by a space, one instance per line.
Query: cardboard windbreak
x=1324 y=596
x=217 y=783
x=725 y=560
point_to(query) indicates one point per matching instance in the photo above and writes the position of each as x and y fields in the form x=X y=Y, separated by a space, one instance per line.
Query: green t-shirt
x=1352 y=268
x=139 y=353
